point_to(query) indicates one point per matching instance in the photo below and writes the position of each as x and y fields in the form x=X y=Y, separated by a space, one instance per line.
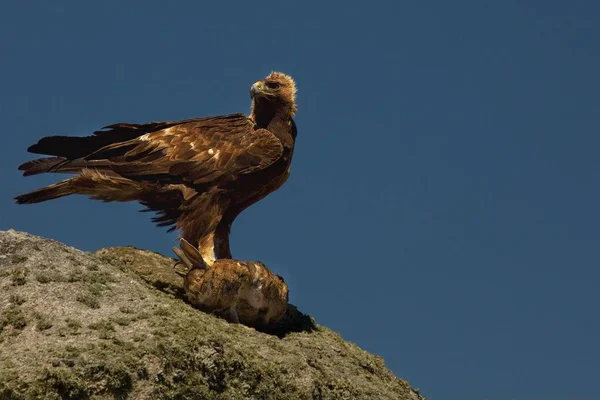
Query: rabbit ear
x=183 y=260
x=192 y=255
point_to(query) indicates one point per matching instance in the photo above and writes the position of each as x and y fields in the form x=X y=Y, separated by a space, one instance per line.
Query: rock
x=114 y=325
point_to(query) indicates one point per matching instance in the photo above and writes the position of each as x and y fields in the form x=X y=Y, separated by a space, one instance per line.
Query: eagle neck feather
x=267 y=115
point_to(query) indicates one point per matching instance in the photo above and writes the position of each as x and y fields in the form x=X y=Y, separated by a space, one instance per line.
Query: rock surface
x=113 y=325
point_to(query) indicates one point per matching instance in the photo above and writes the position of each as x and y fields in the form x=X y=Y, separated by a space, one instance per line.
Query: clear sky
x=442 y=210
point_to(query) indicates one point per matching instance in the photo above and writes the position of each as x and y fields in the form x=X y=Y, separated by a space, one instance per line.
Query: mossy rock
x=114 y=325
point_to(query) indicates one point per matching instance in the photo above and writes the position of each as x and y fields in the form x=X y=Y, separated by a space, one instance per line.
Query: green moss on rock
x=114 y=325
x=13 y=317
x=19 y=274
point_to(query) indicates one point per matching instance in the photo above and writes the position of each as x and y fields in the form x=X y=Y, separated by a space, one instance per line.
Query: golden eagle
x=198 y=174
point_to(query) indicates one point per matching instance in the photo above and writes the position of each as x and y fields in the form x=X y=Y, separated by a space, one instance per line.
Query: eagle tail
x=41 y=165
x=54 y=191
x=60 y=164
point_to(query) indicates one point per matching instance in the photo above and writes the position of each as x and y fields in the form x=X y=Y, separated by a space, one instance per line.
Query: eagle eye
x=273 y=85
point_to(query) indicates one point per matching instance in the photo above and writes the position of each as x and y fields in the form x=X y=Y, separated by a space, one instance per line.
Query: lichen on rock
x=114 y=325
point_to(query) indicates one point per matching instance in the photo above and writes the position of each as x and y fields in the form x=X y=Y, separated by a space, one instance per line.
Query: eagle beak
x=256 y=88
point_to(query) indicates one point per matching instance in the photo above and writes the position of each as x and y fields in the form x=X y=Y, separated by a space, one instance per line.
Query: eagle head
x=277 y=90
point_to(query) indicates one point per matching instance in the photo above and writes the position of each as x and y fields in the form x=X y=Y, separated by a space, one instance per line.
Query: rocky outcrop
x=114 y=325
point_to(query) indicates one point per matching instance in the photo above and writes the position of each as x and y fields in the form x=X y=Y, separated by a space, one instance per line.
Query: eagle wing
x=197 y=152
x=192 y=151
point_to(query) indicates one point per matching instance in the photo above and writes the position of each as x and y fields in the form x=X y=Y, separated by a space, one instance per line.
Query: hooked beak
x=255 y=89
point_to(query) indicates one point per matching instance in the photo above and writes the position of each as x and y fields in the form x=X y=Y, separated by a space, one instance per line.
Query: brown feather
x=40 y=165
x=198 y=174
x=49 y=192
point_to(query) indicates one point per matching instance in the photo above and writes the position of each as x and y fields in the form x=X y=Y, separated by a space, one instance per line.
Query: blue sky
x=442 y=210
